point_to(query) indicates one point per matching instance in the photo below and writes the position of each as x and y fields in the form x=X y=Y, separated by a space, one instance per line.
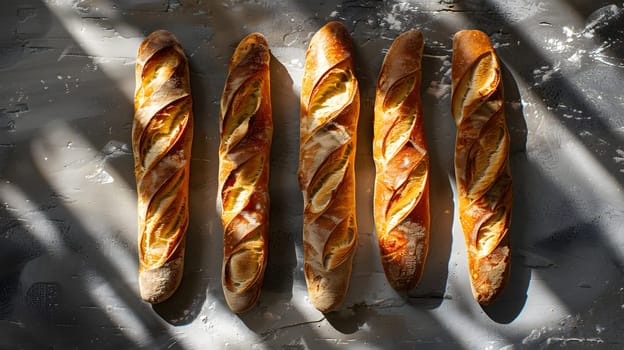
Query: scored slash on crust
x=402 y=164
x=162 y=132
x=329 y=113
x=246 y=130
x=482 y=162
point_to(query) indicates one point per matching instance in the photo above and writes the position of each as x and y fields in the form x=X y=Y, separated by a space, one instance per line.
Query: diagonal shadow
x=355 y=317
x=55 y=285
x=561 y=94
x=356 y=320
x=522 y=60
x=513 y=298
x=568 y=253
x=49 y=289
x=554 y=93
x=203 y=243
x=279 y=321
x=282 y=256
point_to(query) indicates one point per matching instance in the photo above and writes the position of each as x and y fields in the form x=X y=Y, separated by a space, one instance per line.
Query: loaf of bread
x=246 y=129
x=162 y=134
x=482 y=162
x=401 y=198
x=330 y=104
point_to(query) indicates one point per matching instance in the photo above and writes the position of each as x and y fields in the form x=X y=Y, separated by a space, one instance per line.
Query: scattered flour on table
x=576 y=44
x=396 y=17
x=568 y=332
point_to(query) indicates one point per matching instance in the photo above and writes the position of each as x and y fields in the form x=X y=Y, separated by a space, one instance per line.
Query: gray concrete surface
x=68 y=262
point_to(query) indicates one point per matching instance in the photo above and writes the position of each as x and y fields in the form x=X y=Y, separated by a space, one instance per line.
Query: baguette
x=246 y=128
x=330 y=104
x=401 y=197
x=482 y=167
x=162 y=133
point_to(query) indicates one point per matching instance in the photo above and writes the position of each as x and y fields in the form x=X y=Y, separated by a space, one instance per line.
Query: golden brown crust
x=482 y=162
x=162 y=133
x=329 y=115
x=401 y=199
x=246 y=129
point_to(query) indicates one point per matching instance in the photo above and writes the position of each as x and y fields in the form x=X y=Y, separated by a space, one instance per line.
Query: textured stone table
x=68 y=266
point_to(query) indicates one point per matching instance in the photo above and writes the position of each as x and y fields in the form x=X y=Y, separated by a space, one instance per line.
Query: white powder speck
x=295 y=62
x=498 y=45
x=554 y=45
x=576 y=57
x=569 y=32
x=393 y=18
x=394 y=23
